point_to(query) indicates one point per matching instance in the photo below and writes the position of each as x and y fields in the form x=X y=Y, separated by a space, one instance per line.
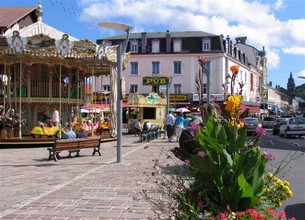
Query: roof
x=11 y=15
x=41 y=28
x=182 y=34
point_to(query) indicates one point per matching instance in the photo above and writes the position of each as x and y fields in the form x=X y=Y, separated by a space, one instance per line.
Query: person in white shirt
x=55 y=117
x=170 y=123
x=137 y=126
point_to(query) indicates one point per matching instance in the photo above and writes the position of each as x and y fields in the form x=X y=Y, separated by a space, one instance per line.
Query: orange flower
x=234 y=69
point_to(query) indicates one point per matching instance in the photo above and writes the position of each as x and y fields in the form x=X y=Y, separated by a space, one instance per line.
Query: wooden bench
x=74 y=145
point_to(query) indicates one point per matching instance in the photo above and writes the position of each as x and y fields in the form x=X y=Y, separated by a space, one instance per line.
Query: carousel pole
x=20 y=93
x=77 y=93
x=60 y=100
x=92 y=89
x=4 y=84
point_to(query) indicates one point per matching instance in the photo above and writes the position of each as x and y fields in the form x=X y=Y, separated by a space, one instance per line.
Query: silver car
x=268 y=122
x=251 y=124
x=292 y=126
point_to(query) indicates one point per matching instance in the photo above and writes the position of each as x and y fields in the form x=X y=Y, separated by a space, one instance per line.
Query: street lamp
x=120 y=52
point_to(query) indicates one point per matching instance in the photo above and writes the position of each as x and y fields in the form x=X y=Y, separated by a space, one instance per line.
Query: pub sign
x=155 y=81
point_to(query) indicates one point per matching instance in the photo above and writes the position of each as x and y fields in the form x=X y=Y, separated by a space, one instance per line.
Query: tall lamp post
x=120 y=52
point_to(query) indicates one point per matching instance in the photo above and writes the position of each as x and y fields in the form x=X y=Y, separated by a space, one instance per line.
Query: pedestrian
x=187 y=121
x=82 y=133
x=137 y=126
x=70 y=134
x=164 y=128
x=170 y=122
x=55 y=117
x=179 y=122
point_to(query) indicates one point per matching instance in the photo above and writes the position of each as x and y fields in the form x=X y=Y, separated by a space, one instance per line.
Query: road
x=294 y=172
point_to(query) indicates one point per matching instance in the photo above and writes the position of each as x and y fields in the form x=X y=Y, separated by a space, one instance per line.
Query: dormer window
x=177 y=45
x=155 y=46
x=206 y=44
x=134 y=46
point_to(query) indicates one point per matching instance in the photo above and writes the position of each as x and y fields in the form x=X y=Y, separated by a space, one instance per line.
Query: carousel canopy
x=41 y=43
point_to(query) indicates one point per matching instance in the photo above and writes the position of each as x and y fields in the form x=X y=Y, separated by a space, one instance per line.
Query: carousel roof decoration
x=45 y=44
x=151 y=99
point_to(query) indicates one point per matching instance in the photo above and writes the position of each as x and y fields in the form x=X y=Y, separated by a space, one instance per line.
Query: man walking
x=55 y=117
x=170 y=122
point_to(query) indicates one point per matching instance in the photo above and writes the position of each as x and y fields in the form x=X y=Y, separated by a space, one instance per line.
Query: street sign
x=154 y=81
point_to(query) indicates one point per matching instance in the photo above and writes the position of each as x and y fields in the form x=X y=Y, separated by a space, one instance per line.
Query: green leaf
x=244 y=187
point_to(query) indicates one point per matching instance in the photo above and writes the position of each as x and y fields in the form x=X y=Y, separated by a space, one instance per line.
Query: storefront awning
x=254 y=109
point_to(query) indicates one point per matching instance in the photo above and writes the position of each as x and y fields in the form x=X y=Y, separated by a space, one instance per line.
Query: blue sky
x=277 y=25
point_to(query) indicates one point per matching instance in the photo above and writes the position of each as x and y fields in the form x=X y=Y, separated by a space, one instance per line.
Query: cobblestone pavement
x=85 y=187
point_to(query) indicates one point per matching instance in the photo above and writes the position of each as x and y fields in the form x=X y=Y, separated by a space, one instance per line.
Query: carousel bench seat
x=74 y=145
x=153 y=133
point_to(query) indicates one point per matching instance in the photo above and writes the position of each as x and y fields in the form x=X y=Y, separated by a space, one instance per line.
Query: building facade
x=175 y=55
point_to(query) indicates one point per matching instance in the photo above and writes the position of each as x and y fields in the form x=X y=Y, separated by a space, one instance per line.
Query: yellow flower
x=286 y=183
x=277 y=180
x=269 y=175
x=289 y=194
x=279 y=203
x=240 y=125
x=233 y=103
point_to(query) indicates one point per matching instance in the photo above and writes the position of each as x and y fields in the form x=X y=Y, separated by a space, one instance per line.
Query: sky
x=276 y=25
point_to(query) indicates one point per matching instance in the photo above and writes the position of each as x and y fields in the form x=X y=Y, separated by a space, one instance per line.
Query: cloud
x=301 y=74
x=255 y=19
x=294 y=50
x=278 y=4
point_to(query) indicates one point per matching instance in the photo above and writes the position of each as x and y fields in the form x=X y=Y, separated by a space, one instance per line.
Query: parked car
x=292 y=126
x=276 y=125
x=251 y=124
x=268 y=122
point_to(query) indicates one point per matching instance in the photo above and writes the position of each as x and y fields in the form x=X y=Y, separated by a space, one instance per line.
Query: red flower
x=222 y=216
x=200 y=205
x=240 y=214
x=228 y=207
x=282 y=215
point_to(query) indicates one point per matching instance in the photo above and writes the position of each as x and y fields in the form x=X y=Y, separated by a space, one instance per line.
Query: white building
x=175 y=55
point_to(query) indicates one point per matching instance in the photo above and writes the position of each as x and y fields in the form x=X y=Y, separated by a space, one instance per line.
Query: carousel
x=42 y=68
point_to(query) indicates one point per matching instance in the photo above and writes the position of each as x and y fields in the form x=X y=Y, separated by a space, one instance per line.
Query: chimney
x=241 y=40
x=168 y=41
x=144 y=42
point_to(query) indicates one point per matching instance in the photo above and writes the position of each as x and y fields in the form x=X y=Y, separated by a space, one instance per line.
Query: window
x=177 y=88
x=156 y=89
x=206 y=45
x=133 y=68
x=177 y=45
x=204 y=88
x=106 y=87
x=134 y=46
x=177 y=67
x=149 y=113
x=155 y=67
x=155 y=46
x=133 y=88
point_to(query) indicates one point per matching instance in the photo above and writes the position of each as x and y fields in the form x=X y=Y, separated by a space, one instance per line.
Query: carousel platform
x=28 y=141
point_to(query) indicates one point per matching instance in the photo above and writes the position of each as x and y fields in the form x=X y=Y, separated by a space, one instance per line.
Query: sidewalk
x=86 y=187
